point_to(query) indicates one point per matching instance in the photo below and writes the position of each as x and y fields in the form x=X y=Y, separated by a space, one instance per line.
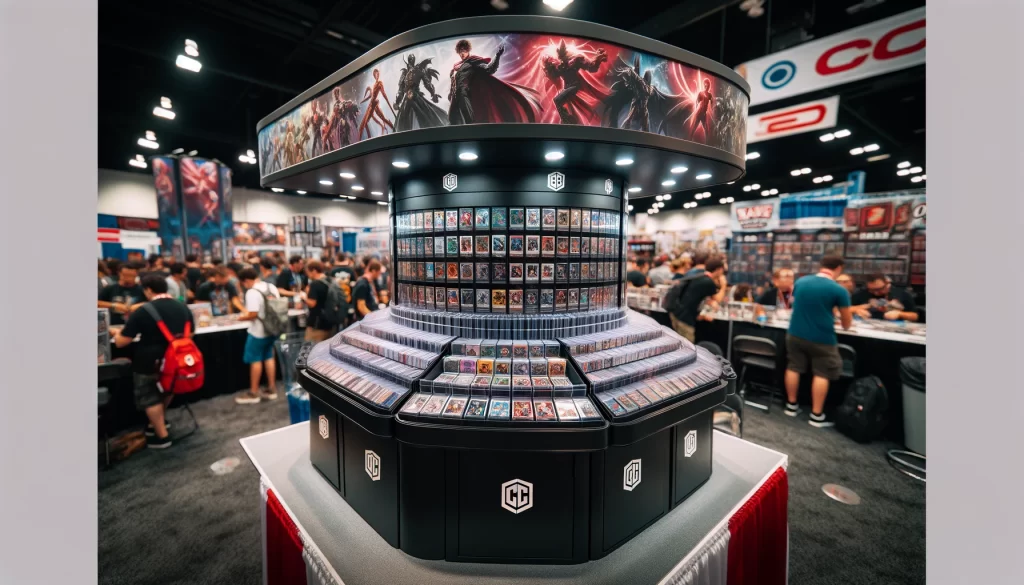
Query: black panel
x=324 y=452
x=504 y=179
x=693 y=470
x=509 y=199
x=422 y=518
x=375 y=500
x=627 y=512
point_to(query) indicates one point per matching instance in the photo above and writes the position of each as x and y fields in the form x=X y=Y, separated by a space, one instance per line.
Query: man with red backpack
x=157 y=378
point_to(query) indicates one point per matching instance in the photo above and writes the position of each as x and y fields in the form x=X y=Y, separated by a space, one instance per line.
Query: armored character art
x=477 y=96
x=637 y=92
x=728 y=123
x=291 y=145
x=337 y=128
x=574 y=100
x=702 y=115
x=373 y=111
x=413 y=109
x=311 y=123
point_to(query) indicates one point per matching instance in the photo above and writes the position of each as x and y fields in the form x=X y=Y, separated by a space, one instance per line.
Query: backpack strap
x=160 y=322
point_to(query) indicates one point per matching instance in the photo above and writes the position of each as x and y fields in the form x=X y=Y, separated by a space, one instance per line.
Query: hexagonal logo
x=372 y=464
x=325 y=429
x=690 y=443
x=608 y=186
x=631 y=475
x=556 y=181
x=450 y=182
x=517 y=495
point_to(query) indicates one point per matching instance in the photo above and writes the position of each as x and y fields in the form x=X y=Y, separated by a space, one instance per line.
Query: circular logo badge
x=190 y=361
x=778 y=75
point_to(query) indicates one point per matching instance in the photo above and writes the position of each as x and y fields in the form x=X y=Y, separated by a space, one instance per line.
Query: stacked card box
x=417 y=358
x=507 y=326
x=378 y=325
x=501 y=408
x=375 y=364
x=647 y=368
x=367 y=387
x=636 y=329
x=608 y=358
x=624 y=400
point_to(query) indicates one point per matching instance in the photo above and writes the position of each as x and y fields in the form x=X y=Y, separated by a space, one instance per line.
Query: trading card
x=536 y=348
x=483 y=218
x=515 y=300
x=483 y=272
x=498 y=245
x=566 y=409
x=466 y=272
x=544 y=409
x=585 y=271
x=538 y=367
x=451 y=220
x=574 y=219
x=473 y=347
x=541 y=383
x=453 y=271
x=429 y=270
x=439 y=221
x=520 y=349
x=451 y=363
x=547 y=221
x=476 y=408
x=561 y=383
x=488 y=349
x=503 y=366
x=388 y=399
x=428 y=246
x=532 y=218
x=433 y=405
x=574 y=271
x=453 y=294
x=516 y=246
x=613 y=406
x=586 y=409
x=562 y=245
x=415 y=404
x=547 y=272
x=445 y=379
x=455 y=406
x=481 y=382
x=556 y=366
x=452 y=247
x=439 y=246
x=595 y=220
x=585 y=223
x=463 y=381
x=584 y=246
x=499 y=272
x=504 y=348
x=499 y=299
x=520 y=367
x=501 y=383
x=547 y=246
x=483 y=245
x=522 y=410
x=552 y=349
x=466 y=298
x=650 y=395
x=516 y=218
x=547 y=299
x=562 y=219
x=499 y=409
x=533 y=273
x=521 y=383
x=499 y=218
x=515 y=272
x=420 y=248
x=485 y=366
x=574 y=299
x=531 y=300
x=561 y=299
x=628 y=402
x=467 y=365
x=466 y=219
x=561 y=272
x=439 y=296
x=466 y=245
x=574 y=246
x=532 y=246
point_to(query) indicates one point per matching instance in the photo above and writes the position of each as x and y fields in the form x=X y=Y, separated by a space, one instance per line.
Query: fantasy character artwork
x=199 y=183
x=371 y=97
x=636 y=94
x=579 y=93
x=338 y=128
x=413 y=109
x=477 y=96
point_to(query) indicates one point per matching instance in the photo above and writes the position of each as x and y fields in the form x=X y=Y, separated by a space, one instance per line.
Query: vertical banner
x=168 y=205
x=201 y=203
x=226 y=223
x=755 y=216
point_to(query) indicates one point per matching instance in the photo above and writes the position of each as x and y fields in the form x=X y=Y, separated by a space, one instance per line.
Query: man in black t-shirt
x=220 y=293
x=638 y=275
x=878 y=301
x=780 y=294
x=149 y=351
x=706 y=285
x=317 y=329
x=365 y=292
x=124 y=296
x=345 y=265
x=195 y=272
x=291 y=281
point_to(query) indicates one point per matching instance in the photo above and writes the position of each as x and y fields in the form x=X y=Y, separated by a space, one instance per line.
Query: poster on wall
x=755 y=216
x=372 y=242
x=201 y=201
x=880 y=217
x=885 y=233
x=272 y=234
x=168 y=209
x=511 y=78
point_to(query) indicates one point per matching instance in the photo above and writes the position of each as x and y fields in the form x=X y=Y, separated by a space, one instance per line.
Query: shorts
x=313 y=334
x=147 y=393
x=822 y=359
x=258 y=349
x=686 y=330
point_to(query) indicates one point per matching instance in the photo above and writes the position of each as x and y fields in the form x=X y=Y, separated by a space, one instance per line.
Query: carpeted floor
x=165 y=518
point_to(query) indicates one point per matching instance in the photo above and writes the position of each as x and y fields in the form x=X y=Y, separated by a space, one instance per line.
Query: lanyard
x=160 y=296
x=826 y=273
x=786 y=301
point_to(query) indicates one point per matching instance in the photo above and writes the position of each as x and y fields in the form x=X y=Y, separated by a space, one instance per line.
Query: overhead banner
x=882 y=217
x=805 y=117
x=820 y=209
x=755 y=216
x=884 y=46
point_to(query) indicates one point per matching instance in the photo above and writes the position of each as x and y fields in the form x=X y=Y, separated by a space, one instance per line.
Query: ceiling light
x=915 y=179
x=554 y=155
x=795 y=172
x=659 y=197
x=178 y=151
x=746 y=188
x=326 y=182
x=871 y=148
x=660 y=204
x=703 y=176
x=347 y=175
x=753 y=155
x=629 y=208
x=634 y=189
x=827 y=137
x=755 y=186
x=805 y=171
x=722 y=200
x=557 y=5
x=878 y=157
x=668 y=196
x=148 y=143
x=358 y=188
x=247 y=158
x=816 y=180
x=277 y=190
x=842 y=133
x=138 y=162
x=924 y=177
x=250 y=153
x=400 y=164
x=731 y=199
x=150 y=135
x=191 y=48
x=188 y=63
x=765 y=193
x=163 y=113
x=772 y=192
x=915 y=170
x=827 y=178
x=376 y=193
x=193 y=152
x=382 y=203
x=668 y=183
x=903 y=164
x=856 y=151
x=499 y=4
x=902 y=173
x=677 y=170
x=622 y=162
x=467 y=155
x=352 y=197
x=301 y=192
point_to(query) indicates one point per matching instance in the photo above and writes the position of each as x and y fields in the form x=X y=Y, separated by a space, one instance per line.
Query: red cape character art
x=477 y=96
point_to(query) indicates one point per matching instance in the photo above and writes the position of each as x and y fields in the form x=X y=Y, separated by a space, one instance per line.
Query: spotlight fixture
x=400 y=164
x=352 y=197
x=557 y=5
x=149 y=141
x=878 y=157
x=191 y=48
x=856 y=151
x=755 y=186
x=903 y=165
x=771 y=192
x=554 y=155
x=668 y=183
x=178 y=151
x=467 y=156
x=326 y=182
x=358 y=188
x=659 y=197
x=248 y=157
x=730 y=199
x=301 y=192
x=827 y=137
x=765 y=193
x=629 y=208
x=138 y=162
x=871 y=148
x=634 y=189
x=915 y=170
x=660 y=204
x=188 y=63
x=917 y=179
x=678 y=169
x=795 y=172
x=376 y=193
x=347 y=175
x=902 y=172
x=668 y=197
x=746 y=188
x=703 y=176
x=193 y=152
x=624 y=162
x=382 y=203
x=753 y=155
x=277 y=190
x=162 y=111
x=842 y=133
x=805 y=171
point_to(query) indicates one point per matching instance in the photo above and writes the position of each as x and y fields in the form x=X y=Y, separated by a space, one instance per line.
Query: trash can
x=912 y=378
x=288 y=349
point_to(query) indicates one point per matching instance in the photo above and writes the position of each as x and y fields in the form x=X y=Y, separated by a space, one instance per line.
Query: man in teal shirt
x=811 y=343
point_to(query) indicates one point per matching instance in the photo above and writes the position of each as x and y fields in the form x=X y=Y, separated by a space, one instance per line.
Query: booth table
x=731 y=531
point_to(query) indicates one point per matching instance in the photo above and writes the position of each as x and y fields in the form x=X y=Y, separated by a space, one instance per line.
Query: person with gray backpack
x=267 y=312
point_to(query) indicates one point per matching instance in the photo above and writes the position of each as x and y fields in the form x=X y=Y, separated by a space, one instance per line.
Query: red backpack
x=181 y=370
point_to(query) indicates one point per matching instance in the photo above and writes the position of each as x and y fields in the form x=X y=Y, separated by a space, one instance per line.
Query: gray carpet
x=165 y=518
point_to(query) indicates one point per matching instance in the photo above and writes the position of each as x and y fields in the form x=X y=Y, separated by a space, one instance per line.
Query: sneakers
x=268 y=394
x=246 y=398
x=158 y=443
x=793 y=409
x=150 y=432
x=820 y=421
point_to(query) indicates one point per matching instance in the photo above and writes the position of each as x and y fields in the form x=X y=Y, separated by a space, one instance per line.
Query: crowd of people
x=334 y=291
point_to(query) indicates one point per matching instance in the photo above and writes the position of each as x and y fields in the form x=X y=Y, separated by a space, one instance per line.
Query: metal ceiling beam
x=336 y=10
x=681 y=15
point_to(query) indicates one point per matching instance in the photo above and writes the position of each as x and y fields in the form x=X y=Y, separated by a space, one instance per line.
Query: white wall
x=132 y=194
x=700 y=218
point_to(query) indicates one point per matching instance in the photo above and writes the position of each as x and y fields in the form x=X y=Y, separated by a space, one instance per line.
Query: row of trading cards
x=379 y=325
x=449 y=383
x=384 y=367
x=515 y=300
x=636 y=328
x=571 y=410
x=500 y=245
x=508 y=272
x=618 y=356
x=508 y=326
x=368 y=387
x=504 y=348
x=410 y=356
x=645 y=393
x=543 y=366
x=508 y=218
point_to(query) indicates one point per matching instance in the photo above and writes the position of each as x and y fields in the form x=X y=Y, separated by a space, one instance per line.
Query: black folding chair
x=758 y=354
x=733 y=404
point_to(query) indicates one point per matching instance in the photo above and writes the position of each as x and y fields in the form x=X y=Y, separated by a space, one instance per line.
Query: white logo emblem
x=450 y=182
x=324 y=429
x=631 y=475
x=372 y=462
x=189 y=360
x=517 y=496
x=690 y=443
x=608 y=186
x=556 y=181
